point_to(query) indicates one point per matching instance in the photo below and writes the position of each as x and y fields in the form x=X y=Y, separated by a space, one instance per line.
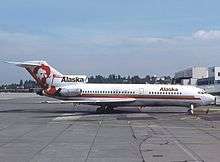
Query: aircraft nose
x=212 y=99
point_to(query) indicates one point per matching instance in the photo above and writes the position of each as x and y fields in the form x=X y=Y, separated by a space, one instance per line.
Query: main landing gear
x=104 y=109
x=140 y=108
x=191 y=109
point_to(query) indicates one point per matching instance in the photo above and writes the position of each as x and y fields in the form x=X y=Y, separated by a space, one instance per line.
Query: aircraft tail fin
x=41 y=71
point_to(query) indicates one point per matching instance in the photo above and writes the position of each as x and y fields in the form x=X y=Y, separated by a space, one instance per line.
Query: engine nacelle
x=70 y=92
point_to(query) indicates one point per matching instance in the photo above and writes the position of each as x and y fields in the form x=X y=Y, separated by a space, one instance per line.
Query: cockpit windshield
x=202 y=92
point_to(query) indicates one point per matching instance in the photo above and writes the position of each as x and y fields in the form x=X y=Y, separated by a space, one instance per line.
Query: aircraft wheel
x=190 y=112
x=109 y=110
x=100 y=110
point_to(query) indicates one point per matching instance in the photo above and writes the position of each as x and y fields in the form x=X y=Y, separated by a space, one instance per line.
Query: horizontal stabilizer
x=26 y=63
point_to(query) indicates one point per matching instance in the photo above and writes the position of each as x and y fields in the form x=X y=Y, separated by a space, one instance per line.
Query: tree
x=21 y=83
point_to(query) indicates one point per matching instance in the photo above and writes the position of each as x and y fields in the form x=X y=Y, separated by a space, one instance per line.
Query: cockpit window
x=202 y=92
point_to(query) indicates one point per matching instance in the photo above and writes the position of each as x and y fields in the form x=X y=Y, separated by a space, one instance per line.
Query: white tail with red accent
x=47 y=77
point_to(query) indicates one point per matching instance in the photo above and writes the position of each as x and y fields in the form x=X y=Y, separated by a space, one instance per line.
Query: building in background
x=190 y=76
x=213 y=77
x=202 y=77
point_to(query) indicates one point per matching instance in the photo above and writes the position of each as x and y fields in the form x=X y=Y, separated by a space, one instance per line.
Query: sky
x=125 y=37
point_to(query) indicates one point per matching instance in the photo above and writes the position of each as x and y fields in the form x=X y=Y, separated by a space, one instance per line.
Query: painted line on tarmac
x=68 y=117
x=73 y=116
x=214 y=109
x=6 y=98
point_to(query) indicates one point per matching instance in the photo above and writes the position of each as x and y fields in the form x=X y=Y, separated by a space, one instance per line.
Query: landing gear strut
x=140 y=108
x=191 y=110
x=104 y=109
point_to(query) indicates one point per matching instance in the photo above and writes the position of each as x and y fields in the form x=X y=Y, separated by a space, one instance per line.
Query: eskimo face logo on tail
x=42 y=73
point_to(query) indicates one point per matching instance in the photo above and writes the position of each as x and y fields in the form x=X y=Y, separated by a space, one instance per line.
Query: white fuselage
x=74 y=89
x=144 y=94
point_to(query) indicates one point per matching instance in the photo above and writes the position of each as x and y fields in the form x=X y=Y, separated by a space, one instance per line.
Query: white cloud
x=207 y=35
x=199 y=37
x=144 y=54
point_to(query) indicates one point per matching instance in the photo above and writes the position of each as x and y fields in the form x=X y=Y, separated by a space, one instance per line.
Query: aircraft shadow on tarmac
x=72 y=112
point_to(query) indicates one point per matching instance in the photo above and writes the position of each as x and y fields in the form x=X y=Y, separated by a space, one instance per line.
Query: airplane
x=75 y=89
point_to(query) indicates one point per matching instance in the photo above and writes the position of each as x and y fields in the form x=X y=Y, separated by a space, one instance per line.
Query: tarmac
x=40 y=132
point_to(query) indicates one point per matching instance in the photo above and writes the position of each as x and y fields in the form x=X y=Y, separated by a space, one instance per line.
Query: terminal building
x=213 y=77
x=206 y=78
x=191 y=75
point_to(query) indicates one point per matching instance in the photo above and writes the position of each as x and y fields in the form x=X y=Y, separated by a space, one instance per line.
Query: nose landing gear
x=191 y=109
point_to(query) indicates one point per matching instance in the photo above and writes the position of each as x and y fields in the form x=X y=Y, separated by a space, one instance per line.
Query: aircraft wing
x=94 y=101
